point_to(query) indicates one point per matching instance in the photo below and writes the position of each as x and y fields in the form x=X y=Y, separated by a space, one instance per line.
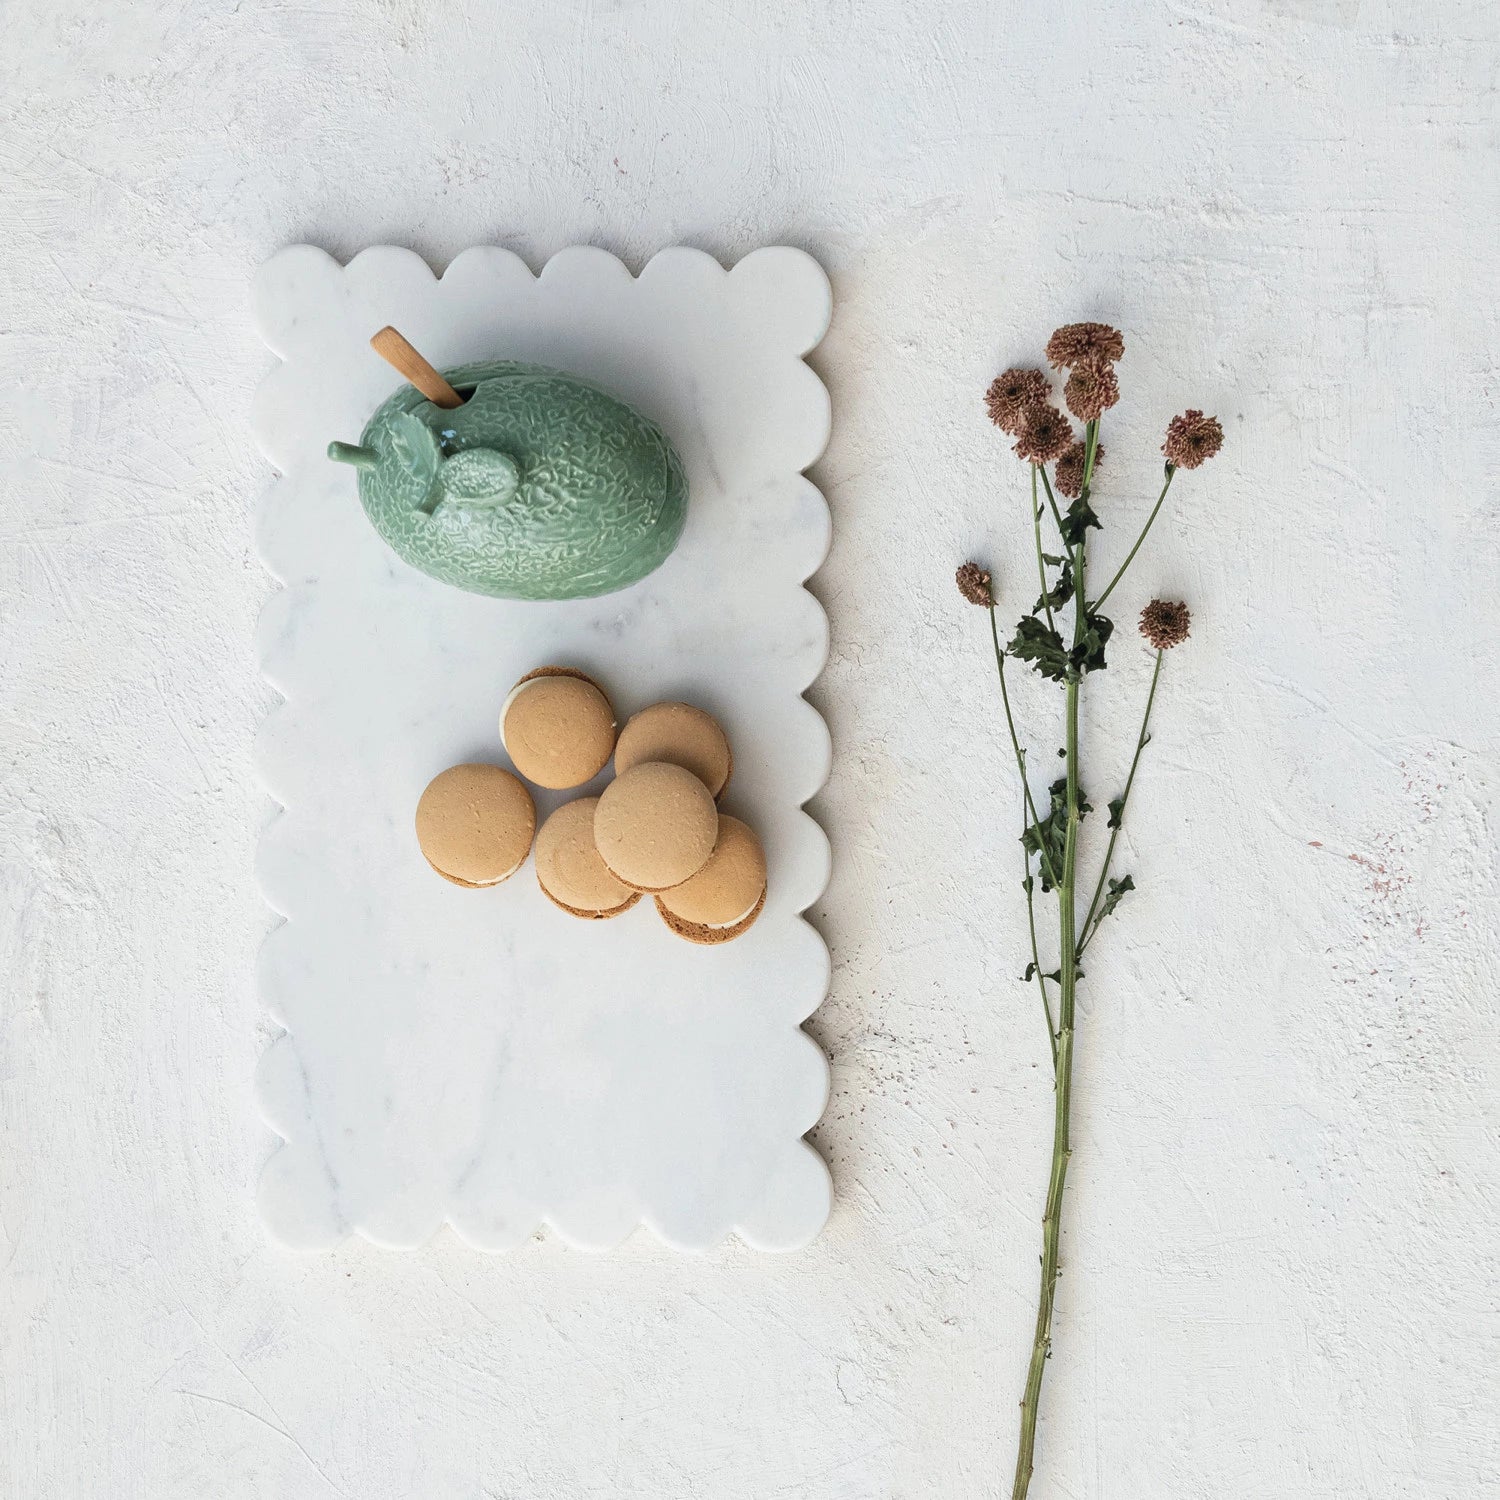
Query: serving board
x=480 y=1058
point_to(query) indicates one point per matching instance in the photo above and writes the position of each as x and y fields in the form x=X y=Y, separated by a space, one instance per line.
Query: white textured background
x=1281 y=1267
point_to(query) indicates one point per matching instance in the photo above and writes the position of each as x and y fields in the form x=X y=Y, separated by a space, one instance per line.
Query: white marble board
x=481 y=1058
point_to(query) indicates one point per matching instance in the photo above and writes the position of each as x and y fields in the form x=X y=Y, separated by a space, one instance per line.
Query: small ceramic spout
x=352 y=453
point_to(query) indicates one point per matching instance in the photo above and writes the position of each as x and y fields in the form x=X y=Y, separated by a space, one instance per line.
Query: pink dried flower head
x=1068 y=475
x=1165 y=624
x=1091 y=390
x=974 y=584
x=1012 y=395
x=1045 y=435
x=1192 y=439
x=1084 y=344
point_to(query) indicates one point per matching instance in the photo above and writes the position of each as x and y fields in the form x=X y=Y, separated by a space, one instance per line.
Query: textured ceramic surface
x=480 y=1057
x=538 y=487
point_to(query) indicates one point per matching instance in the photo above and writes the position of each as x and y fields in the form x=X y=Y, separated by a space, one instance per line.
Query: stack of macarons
x=655 y=830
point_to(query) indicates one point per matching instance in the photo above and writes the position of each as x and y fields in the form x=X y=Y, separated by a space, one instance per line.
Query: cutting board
x=479 y=1058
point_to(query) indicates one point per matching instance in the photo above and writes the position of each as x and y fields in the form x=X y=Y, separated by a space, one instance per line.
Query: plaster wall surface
x=1281 y=1248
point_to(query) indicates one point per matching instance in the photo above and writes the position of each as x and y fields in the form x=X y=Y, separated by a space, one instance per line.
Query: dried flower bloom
x=1091 y=390
x=1067 y=477
x=1044 y=436
x=1165 y=624
x=1192 y=439
x=1012 y=395
x=974 y=584
x=1084 y=344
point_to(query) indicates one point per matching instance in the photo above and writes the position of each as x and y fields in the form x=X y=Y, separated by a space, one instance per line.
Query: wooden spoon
x=394 y=349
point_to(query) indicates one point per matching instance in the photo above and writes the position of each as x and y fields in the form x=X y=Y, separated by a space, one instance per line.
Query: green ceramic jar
x=538 y=487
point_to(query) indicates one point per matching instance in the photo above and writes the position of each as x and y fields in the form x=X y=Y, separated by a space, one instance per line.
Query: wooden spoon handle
x=394 y=349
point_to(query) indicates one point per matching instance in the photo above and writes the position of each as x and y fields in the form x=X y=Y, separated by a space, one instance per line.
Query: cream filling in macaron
x=510 y=698
x=494 y=880
x=735 y=922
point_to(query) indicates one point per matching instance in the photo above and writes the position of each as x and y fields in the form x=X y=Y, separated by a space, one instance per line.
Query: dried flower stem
x=1130 y=556
x=1052 y=500
x=1015 y=742
x=1041 y=566
x=1114 y=833
x=1091 y=450
x=1062 y=1149
x=1036 y=957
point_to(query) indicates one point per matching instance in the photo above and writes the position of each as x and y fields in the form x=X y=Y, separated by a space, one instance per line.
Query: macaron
x=681 y=735
x=726 y=896
x=568 y=867
x=558 y=728
x=474 y=824
x=655 y=825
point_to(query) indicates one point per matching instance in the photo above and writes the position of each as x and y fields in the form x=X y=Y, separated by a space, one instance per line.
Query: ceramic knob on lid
x=538 y=486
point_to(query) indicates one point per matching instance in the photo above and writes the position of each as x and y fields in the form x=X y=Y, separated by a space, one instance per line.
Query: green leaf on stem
x=1087 y=654
x=1042 y=646
x=1047 y=557
x=1050 y=835
x=1117 y=889
x=1077 y=519
x=1116 y=811
x=1060 y=592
